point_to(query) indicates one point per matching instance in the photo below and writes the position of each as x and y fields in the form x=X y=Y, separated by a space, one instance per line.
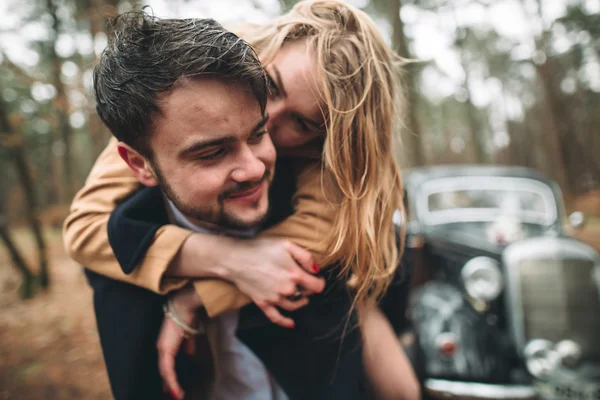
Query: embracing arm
x=86 y=238
x=174 y=255
x=307 y=227
x=85 y=229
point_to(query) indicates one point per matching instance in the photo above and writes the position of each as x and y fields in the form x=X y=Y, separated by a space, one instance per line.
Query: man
x=197 y=130
x=193 y=125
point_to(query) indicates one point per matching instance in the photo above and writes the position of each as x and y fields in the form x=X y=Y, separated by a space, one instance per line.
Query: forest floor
x=49 y=347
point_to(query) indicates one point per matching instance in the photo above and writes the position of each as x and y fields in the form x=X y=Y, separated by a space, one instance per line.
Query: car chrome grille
x=559 y=300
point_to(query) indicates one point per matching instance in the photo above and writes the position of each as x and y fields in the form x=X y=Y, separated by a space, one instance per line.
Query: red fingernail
x=315 y=267
x=292 y=325
x=174 y=395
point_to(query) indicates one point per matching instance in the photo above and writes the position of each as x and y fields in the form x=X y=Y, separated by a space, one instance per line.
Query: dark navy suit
x=321 y=358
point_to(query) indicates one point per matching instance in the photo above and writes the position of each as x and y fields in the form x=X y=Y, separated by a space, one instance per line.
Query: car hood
x=466 y=237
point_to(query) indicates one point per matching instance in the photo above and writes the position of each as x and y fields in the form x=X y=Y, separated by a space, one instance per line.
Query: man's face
x=211 y=153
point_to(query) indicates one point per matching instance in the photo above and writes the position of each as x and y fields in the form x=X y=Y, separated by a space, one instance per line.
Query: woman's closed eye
x=302 y=124
x=257 y=137
x=273 y=89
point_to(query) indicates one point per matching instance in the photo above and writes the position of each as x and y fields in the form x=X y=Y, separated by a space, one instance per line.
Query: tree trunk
x=553 y=142
x=475 y=125
x=98 y=133
x=475 y=132
x=62 y=106
x=412 y=146
x=32 y=214
x=552 y=107
x=17 y=146
x=28 y=285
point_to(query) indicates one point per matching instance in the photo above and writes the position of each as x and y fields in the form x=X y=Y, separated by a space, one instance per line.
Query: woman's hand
x=185 y=304
x=270 y=272
x=267 y=271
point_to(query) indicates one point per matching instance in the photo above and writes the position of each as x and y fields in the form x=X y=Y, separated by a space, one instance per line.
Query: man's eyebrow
x=278 y=81
x=202 y=144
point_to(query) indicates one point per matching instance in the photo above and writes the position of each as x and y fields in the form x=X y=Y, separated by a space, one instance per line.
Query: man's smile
x=248 y=196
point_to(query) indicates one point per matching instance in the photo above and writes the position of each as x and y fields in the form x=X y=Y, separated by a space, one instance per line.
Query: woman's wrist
x=186 y=302
x=203 y=256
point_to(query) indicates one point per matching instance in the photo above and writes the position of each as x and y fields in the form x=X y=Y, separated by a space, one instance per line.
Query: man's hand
x=185 y=303
x=269 y=272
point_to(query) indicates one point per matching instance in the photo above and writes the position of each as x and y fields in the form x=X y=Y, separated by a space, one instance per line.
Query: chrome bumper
x=444 y=389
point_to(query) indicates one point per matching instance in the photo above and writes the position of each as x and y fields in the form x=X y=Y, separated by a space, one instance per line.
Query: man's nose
x=250 y=167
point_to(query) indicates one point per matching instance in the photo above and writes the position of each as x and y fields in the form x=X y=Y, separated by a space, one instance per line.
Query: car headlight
x=541 y=358
x=482 y=278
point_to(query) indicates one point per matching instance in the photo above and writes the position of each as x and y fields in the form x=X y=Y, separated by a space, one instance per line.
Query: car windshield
x=476 y=198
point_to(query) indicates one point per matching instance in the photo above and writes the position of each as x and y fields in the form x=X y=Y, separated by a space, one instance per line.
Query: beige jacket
x=111 y=181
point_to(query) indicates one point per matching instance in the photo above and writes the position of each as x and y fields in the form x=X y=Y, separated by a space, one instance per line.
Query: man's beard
x=216 y=215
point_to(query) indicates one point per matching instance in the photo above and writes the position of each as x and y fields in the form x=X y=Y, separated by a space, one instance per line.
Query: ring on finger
x=296 y=296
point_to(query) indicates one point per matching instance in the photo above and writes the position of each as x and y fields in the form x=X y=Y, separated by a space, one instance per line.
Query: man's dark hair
x=147 y=55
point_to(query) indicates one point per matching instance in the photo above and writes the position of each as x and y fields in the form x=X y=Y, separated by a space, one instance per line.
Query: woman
x=334 y=91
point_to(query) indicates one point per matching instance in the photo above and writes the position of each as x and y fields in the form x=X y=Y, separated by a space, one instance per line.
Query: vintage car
x=505 y=304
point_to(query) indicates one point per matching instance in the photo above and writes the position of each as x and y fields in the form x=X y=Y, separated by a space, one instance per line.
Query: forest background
x=513 y=82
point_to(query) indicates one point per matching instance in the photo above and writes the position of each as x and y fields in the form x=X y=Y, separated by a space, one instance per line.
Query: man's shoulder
x=134 y=222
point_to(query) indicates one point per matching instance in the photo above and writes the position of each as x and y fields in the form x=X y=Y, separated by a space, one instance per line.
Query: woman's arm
x=307 y=227
x=389 y=370
x=85 y=229
x=175 y=253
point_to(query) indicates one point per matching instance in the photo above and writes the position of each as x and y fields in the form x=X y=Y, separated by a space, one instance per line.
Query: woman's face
x=295 y=119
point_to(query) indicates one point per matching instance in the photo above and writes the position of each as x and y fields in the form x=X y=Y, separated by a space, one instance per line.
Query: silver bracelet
x=169 y=311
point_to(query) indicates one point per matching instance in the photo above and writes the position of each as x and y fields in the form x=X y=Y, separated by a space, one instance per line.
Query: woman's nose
x=275 y=108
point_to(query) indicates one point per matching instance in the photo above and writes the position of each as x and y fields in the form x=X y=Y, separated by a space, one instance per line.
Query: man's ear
x=138 y=164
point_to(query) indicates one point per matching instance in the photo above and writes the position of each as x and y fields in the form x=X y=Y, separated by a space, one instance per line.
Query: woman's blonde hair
x=358 y=75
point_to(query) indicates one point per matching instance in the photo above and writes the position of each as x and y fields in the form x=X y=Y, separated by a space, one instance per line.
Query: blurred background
x=513 y=82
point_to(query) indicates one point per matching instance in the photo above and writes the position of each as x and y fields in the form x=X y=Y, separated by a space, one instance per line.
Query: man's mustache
x=244 y=186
